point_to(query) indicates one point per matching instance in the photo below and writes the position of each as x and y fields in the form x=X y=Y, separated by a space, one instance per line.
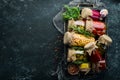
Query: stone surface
x=30 y=45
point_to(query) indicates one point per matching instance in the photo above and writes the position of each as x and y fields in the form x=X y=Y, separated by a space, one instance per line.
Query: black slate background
x=30 y=45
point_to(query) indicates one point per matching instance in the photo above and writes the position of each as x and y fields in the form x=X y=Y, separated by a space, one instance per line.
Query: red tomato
x=98 y=25
x=99 y=28
x=94 y=32
x=100 y=33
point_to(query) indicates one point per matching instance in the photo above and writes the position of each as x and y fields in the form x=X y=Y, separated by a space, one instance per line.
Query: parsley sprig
x=71 y=12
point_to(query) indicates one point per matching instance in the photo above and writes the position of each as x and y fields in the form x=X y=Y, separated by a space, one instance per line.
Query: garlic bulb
x=105 y=39
x=104 y=12
x=71 y=55
x=67 y=38
x=90 y=47
x=89 y=25
x=86 y=12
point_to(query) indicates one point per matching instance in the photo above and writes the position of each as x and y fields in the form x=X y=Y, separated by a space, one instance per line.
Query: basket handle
x=85 y=5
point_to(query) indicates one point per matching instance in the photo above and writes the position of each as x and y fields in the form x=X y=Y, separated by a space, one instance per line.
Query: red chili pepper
x=95 y=57
x=102 y=64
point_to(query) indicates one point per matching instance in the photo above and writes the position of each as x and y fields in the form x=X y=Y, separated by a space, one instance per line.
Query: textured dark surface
x=29 y=43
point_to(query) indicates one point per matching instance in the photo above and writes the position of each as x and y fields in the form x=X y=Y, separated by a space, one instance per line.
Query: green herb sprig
x=71 y=12
x=82 y=31
x=78 y=48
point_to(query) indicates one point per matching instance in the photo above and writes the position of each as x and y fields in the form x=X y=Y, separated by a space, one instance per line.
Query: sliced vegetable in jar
x=73 y=69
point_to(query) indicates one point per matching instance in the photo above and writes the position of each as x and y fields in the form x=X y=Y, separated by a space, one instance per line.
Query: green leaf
x=82 y=31
x=78 y=48
x=71 y=12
